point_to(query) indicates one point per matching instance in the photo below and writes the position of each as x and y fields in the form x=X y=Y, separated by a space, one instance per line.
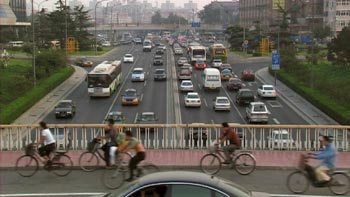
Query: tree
x=157 y=18
x=321 y=32
x=235 y=34
x=340 y=47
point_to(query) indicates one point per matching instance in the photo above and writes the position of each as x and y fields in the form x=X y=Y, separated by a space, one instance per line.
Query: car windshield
x=83 y=59
x=184 y=71
x=130 y=93
x=200 y=62
x=247 y=94
x=192 y=96
x=64 y=105
x=137 y=72
x=147 y=117
x=236 y=81
x=183 y=59
x=282 y=136
x=128 y=55
x=157 y=57
x=222 y=101
x=226 y=72
x=217 y=61
x=268 y=88
x=116 y=117
x=259 y=108
x=159 y=72
x=186 y=83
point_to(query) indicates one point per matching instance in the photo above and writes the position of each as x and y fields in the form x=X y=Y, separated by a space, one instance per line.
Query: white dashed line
x=276 y=121
x=135 y=120
x=244 y=85
x=205 y=102
x=141 y=97
x=145 y=83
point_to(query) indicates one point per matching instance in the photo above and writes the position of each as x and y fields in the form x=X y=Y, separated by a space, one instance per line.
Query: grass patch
x=92 y=52
x=242 y=54
x=16 y=91
x=326 y=87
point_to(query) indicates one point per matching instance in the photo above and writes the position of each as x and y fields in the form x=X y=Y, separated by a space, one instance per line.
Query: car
x=137 y=75
x=158 y=60
x=162 y=46
x=130 y=97
x=200 y=64
x=159 y=74
x=248 y=75
x=183 y=184
x=157 y=42
x=106 y=44
x=216 y=63
x=184 y=73
x=281 y=139
x=65 y=108
x=146 y=118
x=226 y=74
x=244 y=96
x=186 y=85
x=186 y=66
x=117 y=116
x=181 y=61
x=176 y=45
x=178 y=51
x=257 y=112
x=83 y=62
x=226 y=66
x=197 y=132
x=234 y=84
x=159 y=51
x=267 y=91
x=137 y=40
x=128 y=58
x=222 y=103
x=192 y=99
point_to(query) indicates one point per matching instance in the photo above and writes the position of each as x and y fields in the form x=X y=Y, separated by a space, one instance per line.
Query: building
x=19 y=9
x=221 y=12
x=330 y=10
x=167 y=5
x=342 y=14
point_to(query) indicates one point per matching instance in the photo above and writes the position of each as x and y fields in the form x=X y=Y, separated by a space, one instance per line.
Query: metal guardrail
x=183 y=136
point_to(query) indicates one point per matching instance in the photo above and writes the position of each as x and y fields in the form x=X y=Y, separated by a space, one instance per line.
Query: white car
x=267 y=91
x=162 y=46
x=222 y=103
x=257 y=112
x=187 y=65
x=192 y=99
x=128 y=58
x=216 y=63
x=281 y=139
x=178 y=51
x=186 y=85
x=137 y=75
x=106 y=44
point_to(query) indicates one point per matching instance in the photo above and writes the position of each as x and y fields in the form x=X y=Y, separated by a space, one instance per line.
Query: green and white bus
x=104 y=79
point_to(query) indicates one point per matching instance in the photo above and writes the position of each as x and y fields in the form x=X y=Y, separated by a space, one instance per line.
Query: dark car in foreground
x=117 y=116
x=183 y=184
x=159 y=75
x=147 y=118
x=234 y=84
x=244 y=97
x=65 y=108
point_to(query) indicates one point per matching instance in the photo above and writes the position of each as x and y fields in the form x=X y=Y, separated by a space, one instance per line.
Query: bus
x=211 y=79
x=16 y=43
x=218 y=51
x=197 y=53
x=104 y=79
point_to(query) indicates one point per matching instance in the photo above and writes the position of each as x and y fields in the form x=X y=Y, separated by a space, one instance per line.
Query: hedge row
x=321 y=101
x=14 y=109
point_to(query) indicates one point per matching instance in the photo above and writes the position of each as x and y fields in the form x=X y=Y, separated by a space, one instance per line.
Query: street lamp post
x=96 y=24
x=33 y=45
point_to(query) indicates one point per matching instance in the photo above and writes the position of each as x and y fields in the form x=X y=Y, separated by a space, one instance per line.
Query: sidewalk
x=266 y=159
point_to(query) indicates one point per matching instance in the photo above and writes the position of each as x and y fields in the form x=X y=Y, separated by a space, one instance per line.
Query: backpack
x=120 y=138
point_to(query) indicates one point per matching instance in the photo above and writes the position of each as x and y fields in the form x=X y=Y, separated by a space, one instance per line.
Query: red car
x=248 y=75
x=200 y=65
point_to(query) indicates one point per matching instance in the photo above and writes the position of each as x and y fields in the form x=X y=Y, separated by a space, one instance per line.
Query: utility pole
x=96 y=25
x=33 y=45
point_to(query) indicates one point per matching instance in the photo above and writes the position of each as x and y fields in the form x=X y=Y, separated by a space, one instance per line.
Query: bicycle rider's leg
x=112 y=153
x=228 y=150
x=133 y=163
x=321 y=174
x=46 y=150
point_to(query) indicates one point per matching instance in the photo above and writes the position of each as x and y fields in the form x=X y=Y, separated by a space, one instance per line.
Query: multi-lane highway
x=164 y=97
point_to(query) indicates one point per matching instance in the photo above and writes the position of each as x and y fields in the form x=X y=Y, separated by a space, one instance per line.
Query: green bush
x=14 y=109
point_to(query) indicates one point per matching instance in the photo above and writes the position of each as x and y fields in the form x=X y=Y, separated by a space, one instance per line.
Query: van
x=147 y=45
x=211 y=79
x=16 y=43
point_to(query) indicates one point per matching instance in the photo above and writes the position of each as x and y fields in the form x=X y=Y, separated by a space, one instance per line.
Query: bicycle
x=28 y=164
x=299 y=180
x=243 y=162
x=89 y=160
x=114 y=178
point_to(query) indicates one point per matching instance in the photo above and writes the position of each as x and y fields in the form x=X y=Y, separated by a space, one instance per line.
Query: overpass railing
x=183 y=136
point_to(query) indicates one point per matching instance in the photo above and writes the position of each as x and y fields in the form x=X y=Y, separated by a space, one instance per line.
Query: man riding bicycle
x=49 y=142
x=133 y=143
x=328 y=156
x=234 y=142
x=114 y=137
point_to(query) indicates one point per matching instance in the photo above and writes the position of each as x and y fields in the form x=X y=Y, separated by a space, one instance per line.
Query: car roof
x=257 y=103
x=192 y=177
x=115 y=113
x=183 y=58
x=160 y=69
x=130 y=89
x=268 y=86
x=221 y=97
x=138 y=69
x=157 y=56
x=186 y=81
x=193 y=93
x=217 y=60
x=245 y=90
x=282 y=131
x=147 y=113
x=128 y=54
x=66 y=101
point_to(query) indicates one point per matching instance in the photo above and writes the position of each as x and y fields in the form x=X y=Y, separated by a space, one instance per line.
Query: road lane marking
x=276 y=121
x=141 y=97
x=205 y=102
x=145 y=83
x=250 y=84
x=212 y=121
x=274 y=104
x=137 y=114
x=244 y=85
x=199 y=86
x=233 y=104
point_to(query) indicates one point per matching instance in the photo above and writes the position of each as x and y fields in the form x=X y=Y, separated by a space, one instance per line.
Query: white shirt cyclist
x=49 y=139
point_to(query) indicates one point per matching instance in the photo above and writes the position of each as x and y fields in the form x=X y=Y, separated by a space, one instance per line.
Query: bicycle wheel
x=340 y=183
x=148 y=169
x=88 y=161
x=210 y=164
x=297 y=182
x=62 y=165
x=123 y=159
x=113 y=178
x=244 y=163
x=27 y=166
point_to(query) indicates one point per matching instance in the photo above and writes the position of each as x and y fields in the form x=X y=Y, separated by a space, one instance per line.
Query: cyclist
x=112 y=131
x=133 y=143
x=234 y=142
x=49 y=142
x=328 y=156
